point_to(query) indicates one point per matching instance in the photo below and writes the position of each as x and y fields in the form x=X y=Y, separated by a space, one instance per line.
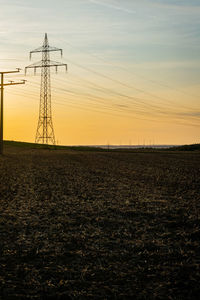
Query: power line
x=129 y=86
x=100 y=99
x=179 y=120
x=139 y=101
x=130 y=72
x=113 y=105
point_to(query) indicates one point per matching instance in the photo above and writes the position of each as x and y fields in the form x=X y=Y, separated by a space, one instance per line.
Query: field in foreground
x=99 y=225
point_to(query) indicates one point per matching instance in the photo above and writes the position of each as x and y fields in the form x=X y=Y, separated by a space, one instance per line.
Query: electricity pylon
x=2 y=84
x=45 y=131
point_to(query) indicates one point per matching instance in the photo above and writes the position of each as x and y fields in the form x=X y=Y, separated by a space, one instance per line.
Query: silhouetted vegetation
x=51 y=147
x=193 y=147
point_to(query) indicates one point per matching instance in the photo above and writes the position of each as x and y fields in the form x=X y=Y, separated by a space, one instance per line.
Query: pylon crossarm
x=45 y=49
x=8 y=72
x=37 y=64
x=14 y=83
x=47 y=64
x=34 y=66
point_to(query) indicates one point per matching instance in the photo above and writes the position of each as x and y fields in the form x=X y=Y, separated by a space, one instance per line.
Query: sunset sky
x=133 y=70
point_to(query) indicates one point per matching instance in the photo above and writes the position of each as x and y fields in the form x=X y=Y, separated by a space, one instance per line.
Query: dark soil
x=99 y=225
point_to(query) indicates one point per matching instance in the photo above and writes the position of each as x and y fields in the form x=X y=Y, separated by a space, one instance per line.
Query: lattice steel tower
x=45 y=132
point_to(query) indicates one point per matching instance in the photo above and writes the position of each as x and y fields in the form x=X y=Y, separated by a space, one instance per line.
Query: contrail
x=114 y=6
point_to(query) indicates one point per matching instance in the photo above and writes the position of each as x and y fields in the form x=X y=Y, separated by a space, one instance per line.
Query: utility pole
x=2 y=84
x=45 y=131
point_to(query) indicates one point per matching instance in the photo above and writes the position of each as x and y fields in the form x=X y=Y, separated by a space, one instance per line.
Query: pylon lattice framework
x=45 y=132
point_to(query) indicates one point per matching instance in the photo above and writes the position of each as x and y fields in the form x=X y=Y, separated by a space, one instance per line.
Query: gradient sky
x=133 y=69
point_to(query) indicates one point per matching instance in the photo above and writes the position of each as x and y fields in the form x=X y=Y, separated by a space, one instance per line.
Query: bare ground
x=99 y=225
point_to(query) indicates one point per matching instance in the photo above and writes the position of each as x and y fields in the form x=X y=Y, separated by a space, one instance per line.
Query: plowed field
x=99 y=225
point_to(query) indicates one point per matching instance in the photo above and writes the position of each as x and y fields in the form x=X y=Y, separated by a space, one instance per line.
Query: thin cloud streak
x=114 y=6
x=189 y=64
x=179 y=7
